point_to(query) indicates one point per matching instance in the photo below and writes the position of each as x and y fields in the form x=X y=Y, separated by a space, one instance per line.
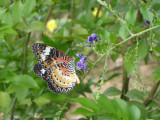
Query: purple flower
x=150 y=9
x=147 y=22
x=81 y=63
x=91 y=39
x=80 y=55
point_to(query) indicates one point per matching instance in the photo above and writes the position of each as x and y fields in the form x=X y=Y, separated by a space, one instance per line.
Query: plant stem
x=135 y=35
x=151 y=94
x=12 y=107
x=25 y=53
x=125 y=84
x=125 y=78
x=48 y=14
x=22 y=72
x=98 y=11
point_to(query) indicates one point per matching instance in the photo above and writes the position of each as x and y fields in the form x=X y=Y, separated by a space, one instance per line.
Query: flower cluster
x=92 y=39
x=81 y=63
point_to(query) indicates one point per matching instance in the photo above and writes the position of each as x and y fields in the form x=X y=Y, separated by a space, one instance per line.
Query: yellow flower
x=51 y=25
x=95 y=12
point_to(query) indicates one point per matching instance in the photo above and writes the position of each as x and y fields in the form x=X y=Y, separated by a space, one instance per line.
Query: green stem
x=151 y=94
x=135 y=35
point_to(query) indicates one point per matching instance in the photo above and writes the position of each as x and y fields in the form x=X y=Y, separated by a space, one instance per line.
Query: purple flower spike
x=80 y=55
x=81 y=63
x=94 y=36
x=150 y=9
x=147 y=22
x=92 y=39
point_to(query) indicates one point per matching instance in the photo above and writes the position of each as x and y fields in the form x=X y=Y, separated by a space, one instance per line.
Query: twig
x=98 y=11
x=125 y=84
x=72 y=16
x=25 y=53
x=135 y=35
x=22 y=72
x=151 y=94
x=12 y=108
x=48 y=14
x=45 y=20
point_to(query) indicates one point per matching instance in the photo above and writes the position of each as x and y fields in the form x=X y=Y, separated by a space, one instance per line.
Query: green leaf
x=141 y=107
x=42 y=100
x=130 y=56
x=28 y=7
x=4 y=2
x=122 y=107
x=112 y=37
x=135 y=94
x=142 y=50
x=134 y=113
x=36 y=26
x=2 y=12
x=47 y=40
x=17 y=11
x=25 y=81
x=8 y=31
x=26 y=101
x=123 y=31
x=21 y=92
x=131 y=17
x=101 y=47
x=112 y=91
x=4 y=99
x=88 y=4
x=54 y=97
x=148 y=15
x=156 y=71
x=88 y=103
x=114 y=75
x=156 y=76
x=4 y=26
x=7 y=19
x=49 y=112
x=11 y=88
x=157 y=48
x=106 y=104
x=83 y=111
x=105 y=36
x=80 y=31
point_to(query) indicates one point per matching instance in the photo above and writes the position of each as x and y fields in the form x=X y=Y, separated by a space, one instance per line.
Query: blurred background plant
x=104 y=31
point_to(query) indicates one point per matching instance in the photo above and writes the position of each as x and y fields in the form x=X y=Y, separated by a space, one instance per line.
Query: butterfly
x=55 y=67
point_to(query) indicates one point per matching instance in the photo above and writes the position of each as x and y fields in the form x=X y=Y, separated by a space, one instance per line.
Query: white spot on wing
x=47 y=50
x=45 y=53
x=43 y=71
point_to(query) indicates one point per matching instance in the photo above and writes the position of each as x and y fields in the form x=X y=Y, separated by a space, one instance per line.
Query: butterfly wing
x=55 y=67
x=41 y=71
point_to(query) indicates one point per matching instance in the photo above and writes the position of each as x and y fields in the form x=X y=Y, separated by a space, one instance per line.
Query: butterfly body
x=55 y=67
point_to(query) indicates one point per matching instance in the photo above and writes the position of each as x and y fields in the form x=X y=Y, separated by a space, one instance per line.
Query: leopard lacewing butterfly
x=55 y=67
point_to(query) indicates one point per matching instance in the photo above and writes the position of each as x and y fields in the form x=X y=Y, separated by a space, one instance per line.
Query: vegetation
x=102 y=28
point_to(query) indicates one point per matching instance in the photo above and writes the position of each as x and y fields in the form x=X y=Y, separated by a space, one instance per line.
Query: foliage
x=124 y=28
